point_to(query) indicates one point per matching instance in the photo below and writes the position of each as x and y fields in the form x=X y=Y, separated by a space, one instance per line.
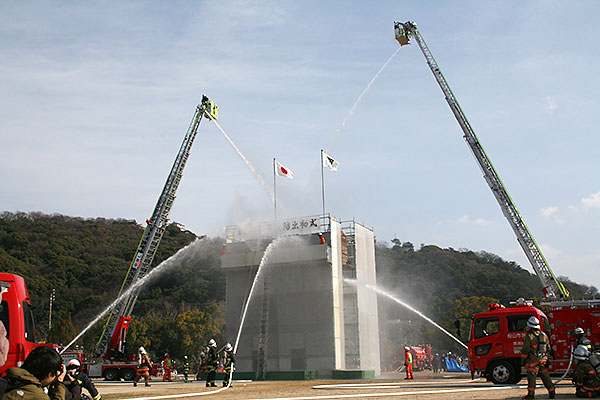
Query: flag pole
x=274 y=189
x=322 y=183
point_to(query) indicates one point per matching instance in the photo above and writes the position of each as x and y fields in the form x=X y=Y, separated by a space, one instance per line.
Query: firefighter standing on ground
x=212 y=363
x=167 y=365
x=228 y=361
x=79 y=378
x=585 y=378
x=143 y=369
x=186 y=368
x=534 y=356
x=408 y=363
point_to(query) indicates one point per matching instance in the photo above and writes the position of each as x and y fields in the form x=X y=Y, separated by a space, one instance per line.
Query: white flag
x=281 y=170
x=330 y=162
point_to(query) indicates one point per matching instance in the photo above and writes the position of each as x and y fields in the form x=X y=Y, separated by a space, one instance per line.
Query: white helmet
x=74 y=362
x=533 y=323
x=406 y=348
x=212 y=343
x=142 y=350
x=579 y=331
x=581 y=352
x=228 y=347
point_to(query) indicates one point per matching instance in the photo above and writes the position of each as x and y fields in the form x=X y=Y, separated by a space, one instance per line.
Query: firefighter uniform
x=212 y=363
x=186 y=368
x=587 y=382
x=534 y=356
x=143 y=368
x=167 y=368
x=228 y=364
x=408 y=363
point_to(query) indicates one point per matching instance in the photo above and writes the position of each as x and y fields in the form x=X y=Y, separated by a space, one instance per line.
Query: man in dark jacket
x=212 y=363
x=43 y=367
x=534 y=356
x=79 y=378
x=228 y=364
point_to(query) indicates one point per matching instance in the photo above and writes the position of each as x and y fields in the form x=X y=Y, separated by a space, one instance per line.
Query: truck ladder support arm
x=115 y=331
x=552 y=286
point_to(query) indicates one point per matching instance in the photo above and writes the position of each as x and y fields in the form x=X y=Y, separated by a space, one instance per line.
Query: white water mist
x=263 y=262
x=353 y=108
x=248 y=164
x=188 y=252
x=397 y=300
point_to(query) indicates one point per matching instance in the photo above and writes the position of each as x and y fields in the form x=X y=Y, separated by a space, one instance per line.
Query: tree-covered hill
x=86 y=260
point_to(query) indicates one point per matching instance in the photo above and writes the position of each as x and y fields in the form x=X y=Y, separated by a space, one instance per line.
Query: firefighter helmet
x=406 y=348
x=228 y=347
x=212 y=343
x=581 y=352
x=579 y=331
x=74 y=363
x=142 y=350
x=533 y=323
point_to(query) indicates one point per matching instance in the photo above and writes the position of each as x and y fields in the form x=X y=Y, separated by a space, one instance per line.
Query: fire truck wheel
x=128 y=374
x=110 y=374
x=502 y=372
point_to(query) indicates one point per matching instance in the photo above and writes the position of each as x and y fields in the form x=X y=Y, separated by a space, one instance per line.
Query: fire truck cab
x=496 y=340
x=497 y=335
x=17 y=316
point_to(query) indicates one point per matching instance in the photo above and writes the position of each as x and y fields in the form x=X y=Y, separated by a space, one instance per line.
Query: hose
x=567 y=370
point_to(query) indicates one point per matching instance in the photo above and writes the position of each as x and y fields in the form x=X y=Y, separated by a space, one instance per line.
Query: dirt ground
x=388 y=386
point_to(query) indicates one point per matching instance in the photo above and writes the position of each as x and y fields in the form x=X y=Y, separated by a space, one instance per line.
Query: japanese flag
x=330 y=162
x=283 y=171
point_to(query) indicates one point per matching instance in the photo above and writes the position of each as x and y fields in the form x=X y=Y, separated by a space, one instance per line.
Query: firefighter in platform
x=582 y=340
x=212 y=363
x=228 y=364
x=76 y=377
x=408 y=363
x=186 y=368
x=167 y=365
x=143 y=368
x=534 y=356
x=585 y=378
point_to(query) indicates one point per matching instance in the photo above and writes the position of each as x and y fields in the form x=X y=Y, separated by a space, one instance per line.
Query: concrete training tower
x=302 y=316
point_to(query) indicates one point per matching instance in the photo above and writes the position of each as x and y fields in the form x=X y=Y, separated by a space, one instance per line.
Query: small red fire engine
x=497 y=336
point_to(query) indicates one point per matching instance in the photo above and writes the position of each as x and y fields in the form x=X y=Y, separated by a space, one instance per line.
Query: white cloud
x=593 y=201
x=482 y=222
x=549 y=251
x=548 y=211
x=464 y=219
x=551 y=104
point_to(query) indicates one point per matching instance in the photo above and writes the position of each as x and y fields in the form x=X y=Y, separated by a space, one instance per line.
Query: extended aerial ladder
x=553 y=288
x=112 y=342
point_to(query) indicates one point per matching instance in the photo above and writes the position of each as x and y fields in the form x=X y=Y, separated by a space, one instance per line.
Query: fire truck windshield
x=486 y=327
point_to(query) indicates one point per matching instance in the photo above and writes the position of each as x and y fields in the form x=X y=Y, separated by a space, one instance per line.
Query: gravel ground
x=387 y=386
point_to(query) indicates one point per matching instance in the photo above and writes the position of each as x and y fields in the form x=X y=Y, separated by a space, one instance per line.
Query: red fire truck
x=17 y=316
x=497 y=336
x=422 y=358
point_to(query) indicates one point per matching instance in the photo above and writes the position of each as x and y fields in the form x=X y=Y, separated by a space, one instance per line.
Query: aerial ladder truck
x=111 y=345
x=553 y=288
x=497 y=335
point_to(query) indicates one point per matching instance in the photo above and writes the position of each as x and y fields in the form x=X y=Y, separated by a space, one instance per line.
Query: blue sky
x=97 y=97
